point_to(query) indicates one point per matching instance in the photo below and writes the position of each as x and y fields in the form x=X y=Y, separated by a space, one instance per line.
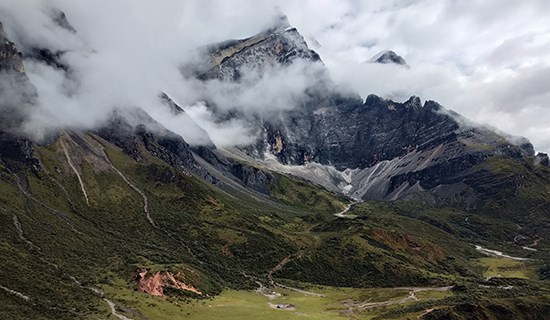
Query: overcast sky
x=488 y=60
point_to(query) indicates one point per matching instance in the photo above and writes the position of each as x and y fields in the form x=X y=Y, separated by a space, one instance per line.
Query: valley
x=329 y=206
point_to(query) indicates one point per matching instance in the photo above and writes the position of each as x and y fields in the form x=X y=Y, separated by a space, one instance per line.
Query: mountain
x=279 y=44
x=377 y=149
x=388 y=56
x=129 y=221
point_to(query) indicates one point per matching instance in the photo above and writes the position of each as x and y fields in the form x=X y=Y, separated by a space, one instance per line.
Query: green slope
x=55 y=245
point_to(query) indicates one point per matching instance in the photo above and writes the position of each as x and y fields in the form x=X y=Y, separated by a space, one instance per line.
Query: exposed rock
x=390 y=150
x=134 y=131
x=155 y=283
x=542 y=158
x=10 y=57
x=280 y=44
x=52 y=56
x=48 y=57
x=246 y=175
x=17 y=96
x=388 y=56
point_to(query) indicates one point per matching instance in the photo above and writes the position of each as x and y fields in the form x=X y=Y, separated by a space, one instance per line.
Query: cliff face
x=16 y=98
x=377 y=148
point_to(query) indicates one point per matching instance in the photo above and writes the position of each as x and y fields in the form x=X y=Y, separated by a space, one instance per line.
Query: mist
x=126 y=52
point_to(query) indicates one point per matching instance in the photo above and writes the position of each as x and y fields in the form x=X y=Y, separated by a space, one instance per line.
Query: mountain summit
x=373 y=149
x=388 y=56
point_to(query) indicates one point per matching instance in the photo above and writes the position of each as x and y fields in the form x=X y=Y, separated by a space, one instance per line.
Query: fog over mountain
x=124 y=53
x=208 y=159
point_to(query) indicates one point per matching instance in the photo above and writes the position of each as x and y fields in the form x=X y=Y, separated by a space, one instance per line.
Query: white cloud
x=487 y=60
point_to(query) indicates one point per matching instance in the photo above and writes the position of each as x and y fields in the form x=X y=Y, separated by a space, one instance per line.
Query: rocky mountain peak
x=278 y=45
x=387 y=57
x=10 y=57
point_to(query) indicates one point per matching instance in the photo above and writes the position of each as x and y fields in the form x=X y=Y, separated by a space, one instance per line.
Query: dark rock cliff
x=395 y=150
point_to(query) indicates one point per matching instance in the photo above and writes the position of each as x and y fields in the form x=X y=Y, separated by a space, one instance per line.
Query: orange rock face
x=155 y=283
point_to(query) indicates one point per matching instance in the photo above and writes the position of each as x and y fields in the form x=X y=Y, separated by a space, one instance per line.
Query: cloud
x=126 y=52
x=231 y=132
x=487 y=60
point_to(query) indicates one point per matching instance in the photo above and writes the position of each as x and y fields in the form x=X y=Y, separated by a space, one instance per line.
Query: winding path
x=342 y=214
x=74 y=169
x=141 y=193
x=410 y=297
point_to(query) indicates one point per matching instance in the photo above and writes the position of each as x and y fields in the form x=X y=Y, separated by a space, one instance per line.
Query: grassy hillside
x=77 y=231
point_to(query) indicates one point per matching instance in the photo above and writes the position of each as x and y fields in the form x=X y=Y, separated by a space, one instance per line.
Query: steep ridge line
x=74 y=169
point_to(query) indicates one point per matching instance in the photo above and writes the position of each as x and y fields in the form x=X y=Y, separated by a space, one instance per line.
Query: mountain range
x=340 y=207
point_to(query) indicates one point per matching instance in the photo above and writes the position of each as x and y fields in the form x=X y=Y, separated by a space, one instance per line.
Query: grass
x=232 y=304
x=507 y=268
x=214 y=237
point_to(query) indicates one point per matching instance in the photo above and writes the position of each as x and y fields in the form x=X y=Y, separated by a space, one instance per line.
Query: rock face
x=155 y=283
x=10 y=57
x=16 y=98
x=134 y=131
x=542 y=158
x=280 y=44
x=376 y=149
x=52 y=56
x=388 y=56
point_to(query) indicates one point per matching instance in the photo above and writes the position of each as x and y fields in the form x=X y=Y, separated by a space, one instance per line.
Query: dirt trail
x=530 y=246
x=298 y=255
x=101 y=294
x=304 y=292
x=425 y=312
x=74 y=169
x=19 y=229
x=112 y=306
x=145 y=200
x=342 y=214
x=128 y=182
x=141 y=193
x=280 y=266
x=35 y=248
x=361 y=306
x=15 y=293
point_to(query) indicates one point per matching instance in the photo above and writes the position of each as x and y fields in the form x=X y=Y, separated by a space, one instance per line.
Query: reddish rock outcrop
x=154 y=283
